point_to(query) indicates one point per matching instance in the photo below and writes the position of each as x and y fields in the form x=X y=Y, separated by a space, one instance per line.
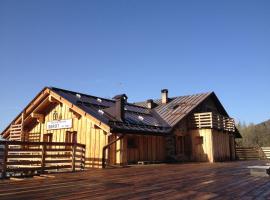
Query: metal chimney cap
x=120 y=96
x=164 y=90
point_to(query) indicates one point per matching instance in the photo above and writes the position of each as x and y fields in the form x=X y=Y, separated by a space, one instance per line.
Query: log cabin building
x=115 y=132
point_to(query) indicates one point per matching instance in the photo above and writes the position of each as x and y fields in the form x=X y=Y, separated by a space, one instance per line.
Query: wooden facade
x=86 y=133
x=199 y=136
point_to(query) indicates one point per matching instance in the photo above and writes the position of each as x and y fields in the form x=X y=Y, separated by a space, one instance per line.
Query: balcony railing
x=212 y=120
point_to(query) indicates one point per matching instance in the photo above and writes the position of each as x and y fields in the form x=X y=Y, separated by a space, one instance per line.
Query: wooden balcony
x=24 y=158
x=213 y=121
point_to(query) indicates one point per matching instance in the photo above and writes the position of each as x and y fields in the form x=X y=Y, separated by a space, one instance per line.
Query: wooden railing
x=253 y=153
x=212 y=120
x=16 y=132
x=28 y=158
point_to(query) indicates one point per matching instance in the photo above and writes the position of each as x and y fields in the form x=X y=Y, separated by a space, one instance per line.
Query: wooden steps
x=266 y=151
x=247 y=153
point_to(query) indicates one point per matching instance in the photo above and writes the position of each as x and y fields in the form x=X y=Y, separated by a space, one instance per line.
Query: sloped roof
x=137 y=118
x=177 y=107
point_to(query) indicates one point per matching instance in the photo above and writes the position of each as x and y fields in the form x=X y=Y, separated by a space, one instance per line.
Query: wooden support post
x=4 y=170
x=74 y=147
x=43 y=158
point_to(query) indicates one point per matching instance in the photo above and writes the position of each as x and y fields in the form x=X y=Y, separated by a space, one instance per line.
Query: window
x=99 y=100
x=47 y=137
x=71 y=137
x=199 y=140
x=132 y=142
x=101 y=112
x=140 y=118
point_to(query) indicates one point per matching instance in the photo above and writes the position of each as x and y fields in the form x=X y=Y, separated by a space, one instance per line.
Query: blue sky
x=137 y=47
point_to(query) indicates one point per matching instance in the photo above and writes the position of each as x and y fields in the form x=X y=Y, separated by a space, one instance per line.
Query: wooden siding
x=202 y=150
x=232 y=147
x=116 y=151
x=221 y=146
x=87 y=133
x=148 y=148
x=215 y=146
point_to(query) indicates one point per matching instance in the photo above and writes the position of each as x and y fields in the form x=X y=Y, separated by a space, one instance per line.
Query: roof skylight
x=140 y=117
x=101 y=112
x=99 y=100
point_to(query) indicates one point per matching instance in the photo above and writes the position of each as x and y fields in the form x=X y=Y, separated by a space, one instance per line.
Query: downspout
x=106 y=147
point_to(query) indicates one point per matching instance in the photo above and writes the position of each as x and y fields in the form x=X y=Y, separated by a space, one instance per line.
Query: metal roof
x=177 y=107
x=138 y=118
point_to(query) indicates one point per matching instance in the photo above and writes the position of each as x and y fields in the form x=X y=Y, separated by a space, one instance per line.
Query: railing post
x=74 y=146
x=211 y=119
x=4 y=171
x=43 y=158
x=104 y=158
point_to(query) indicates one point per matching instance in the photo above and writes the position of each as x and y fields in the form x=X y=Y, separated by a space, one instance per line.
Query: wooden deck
x=229 y=180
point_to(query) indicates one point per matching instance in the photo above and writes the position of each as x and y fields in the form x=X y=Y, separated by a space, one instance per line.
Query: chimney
x=164 y=96
x=150 y=103
x=120 y=101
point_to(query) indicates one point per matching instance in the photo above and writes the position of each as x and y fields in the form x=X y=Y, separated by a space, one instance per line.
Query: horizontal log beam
x=39 y=117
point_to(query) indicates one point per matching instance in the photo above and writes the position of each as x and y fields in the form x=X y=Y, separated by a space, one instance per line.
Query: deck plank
x=160 y=181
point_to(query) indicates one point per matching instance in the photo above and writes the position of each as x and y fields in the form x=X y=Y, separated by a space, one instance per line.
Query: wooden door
x=179 y=145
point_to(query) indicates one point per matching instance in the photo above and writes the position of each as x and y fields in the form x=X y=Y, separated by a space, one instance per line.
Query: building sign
x=59 y=124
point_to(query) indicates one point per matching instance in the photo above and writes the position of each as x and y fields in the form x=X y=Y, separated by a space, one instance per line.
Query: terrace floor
x=229 y=180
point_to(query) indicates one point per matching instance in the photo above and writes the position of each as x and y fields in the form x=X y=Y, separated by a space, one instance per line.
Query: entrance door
x=179 y=145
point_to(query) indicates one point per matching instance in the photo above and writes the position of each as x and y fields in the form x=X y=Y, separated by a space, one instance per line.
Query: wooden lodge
x=115 y=132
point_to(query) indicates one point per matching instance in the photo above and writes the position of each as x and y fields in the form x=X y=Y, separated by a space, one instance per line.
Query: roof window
x=99 y=100
x=101 y=112
x=140 y=118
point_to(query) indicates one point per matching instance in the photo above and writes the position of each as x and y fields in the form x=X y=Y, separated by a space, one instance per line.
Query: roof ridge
x=75 y=92
x=107 y=99
x=174 y=97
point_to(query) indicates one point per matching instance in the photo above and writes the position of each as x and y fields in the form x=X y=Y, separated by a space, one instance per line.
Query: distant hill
x=265 y=124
